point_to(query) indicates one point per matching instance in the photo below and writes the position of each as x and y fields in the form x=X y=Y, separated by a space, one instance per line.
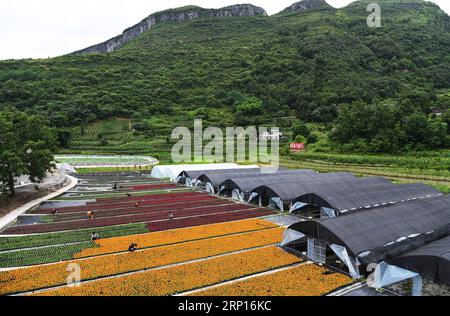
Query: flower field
x=148 y=187
x=119 y=244
x=129 y=202
x=139 y=210
x=304 y=280
x=209 y=240
x=37 y=277
x=210 y=219
x=120 y=220
x=41 y=255
x=186 y=277
x=77 y=160
x=32 y=241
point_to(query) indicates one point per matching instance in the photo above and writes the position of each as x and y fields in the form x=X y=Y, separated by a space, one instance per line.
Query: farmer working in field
x=90 y=214
x=95 y=236
x=132 y=247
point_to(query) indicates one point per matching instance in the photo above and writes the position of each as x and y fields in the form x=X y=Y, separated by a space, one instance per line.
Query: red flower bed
x=141 y=210
x=101 y=222
x=205 y=220
x=149 y=187
x=147 y=197
x=96 y=207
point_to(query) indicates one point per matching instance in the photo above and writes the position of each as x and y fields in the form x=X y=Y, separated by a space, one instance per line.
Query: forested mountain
x=305 y=61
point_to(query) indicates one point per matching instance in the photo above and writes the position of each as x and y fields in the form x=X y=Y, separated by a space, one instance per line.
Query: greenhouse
x=241 y=187
x=432 y=260
x=190 y=177
x=399 y=238
x=281 y=194
x=173 y=171
x=340 y=199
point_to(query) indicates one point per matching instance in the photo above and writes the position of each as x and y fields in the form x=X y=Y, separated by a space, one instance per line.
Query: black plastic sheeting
x=351 y=197
x=374 y=229
x=195 y=174
x=431 y=260
x=247 y=185
x=218 y=180
x=288 y=191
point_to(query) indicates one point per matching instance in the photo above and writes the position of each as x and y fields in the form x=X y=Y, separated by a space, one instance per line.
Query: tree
x=300 y=129
x=64 y=137
x=26 y=146
x=248 y=112
x=446 y=119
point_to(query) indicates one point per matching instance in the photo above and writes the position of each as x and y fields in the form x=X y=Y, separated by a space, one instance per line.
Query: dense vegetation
x=310 y=66
x=392 y=128
x=26 y=146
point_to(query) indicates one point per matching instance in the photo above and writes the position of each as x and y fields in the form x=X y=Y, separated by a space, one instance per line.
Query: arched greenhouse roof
x=355 y=197
x=195 y=174
x=431 y=260
x=248 y=184
x=288 y=191
x=376 y=229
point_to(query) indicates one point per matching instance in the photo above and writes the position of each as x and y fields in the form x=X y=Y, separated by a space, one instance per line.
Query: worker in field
x=115 y=186
x=95 y=236
x=132 y=247
x=171 y=216
x=54 y=212
x=90 y=214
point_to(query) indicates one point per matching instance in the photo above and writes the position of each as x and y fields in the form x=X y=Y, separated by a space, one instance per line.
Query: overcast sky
x=47 y=28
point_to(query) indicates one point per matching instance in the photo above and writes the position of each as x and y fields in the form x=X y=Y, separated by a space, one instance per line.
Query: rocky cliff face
x=307 y=5
x=176 y=15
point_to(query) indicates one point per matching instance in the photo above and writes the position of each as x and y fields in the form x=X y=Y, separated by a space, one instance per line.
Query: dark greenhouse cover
x=431 y=260
x=353 y=196
x=218 y=179
x=288 y=191
x=371 y=229
x=249 y=184
x=195 y=174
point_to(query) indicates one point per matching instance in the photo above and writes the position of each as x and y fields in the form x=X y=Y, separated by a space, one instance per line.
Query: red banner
x=297 y=147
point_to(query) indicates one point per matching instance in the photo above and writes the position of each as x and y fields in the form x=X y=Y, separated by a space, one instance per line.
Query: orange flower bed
x=305 y=280
x=119 y=244
x=38 y=277
x=184 y=277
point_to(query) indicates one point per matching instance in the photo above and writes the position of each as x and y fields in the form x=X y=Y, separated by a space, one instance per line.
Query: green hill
x=300 y=62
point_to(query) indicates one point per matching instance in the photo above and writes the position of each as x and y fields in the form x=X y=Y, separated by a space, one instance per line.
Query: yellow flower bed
x=118 y=244
x=305 y=280
x=21 y=280
x=184 y=277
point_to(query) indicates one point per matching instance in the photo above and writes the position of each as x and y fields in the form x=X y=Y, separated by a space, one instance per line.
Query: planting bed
x=118 y=244
x=96 y=267
x=185 y=277
x=305 y=280
x=120 y=220
x=211 y=219
x=143 y=200
x=140 y=210
x=148 y=187
x=209 y=240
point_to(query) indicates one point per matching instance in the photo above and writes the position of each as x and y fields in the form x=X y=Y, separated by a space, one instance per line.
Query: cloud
x=48 y=28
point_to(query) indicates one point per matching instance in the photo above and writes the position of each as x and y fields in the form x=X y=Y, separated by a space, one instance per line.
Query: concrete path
x=12 y=216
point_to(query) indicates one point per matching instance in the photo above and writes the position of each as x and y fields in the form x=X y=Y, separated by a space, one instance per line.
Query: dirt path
x=28 y=193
